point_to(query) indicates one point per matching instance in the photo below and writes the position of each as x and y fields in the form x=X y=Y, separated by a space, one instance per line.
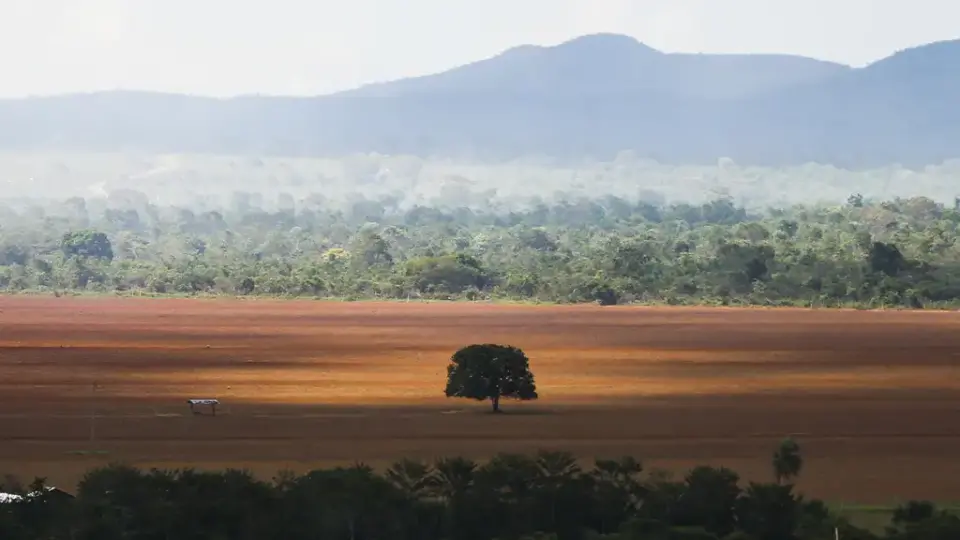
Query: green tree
x=491 y=372
x=370 y=249
x=11 y=254
x=913 y=512
x=414 y=478
x=617 y=491
x=447 y=273
x=86 y=243
x=886 y=258
x=920 y=520
x=709 y=500
x=769 y=512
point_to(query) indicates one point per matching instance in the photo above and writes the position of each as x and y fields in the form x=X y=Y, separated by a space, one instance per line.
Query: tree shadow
x=511 y=411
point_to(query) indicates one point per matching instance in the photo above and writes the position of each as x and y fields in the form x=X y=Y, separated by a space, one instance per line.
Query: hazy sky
x=228 y=47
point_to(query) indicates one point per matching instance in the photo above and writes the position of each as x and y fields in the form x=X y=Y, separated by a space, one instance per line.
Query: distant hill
x=589 y=97
x=606 y=64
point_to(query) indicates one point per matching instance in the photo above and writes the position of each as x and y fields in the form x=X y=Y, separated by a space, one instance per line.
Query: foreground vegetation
x=609 y=250
x=511 y=496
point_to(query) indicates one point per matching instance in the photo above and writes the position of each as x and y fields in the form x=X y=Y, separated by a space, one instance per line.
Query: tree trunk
x=496 y=404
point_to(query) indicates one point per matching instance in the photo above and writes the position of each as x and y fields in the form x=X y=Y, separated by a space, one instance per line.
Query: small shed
x=57 y=494
x=205 y=402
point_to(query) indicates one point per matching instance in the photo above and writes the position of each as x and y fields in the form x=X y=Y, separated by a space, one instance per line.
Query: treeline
x=543 y=496
x=609 y=250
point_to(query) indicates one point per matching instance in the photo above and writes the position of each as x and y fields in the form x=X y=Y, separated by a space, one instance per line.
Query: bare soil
x=873 y=397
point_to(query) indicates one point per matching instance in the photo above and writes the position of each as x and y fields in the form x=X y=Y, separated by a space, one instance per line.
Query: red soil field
x=873 y=397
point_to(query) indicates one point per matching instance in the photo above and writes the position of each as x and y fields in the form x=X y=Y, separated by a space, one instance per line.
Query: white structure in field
x=212 y=403
x=51 y=491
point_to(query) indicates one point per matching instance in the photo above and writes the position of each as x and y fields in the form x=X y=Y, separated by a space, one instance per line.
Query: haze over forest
x=597 y=170
x=598 y=115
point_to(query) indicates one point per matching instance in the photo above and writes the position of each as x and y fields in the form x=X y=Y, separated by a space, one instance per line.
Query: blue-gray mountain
x=587 y=98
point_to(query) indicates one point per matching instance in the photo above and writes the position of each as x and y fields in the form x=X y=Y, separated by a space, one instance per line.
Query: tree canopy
x=491 y=372
x=547 y=495
x=610 y=250
x=87 y=243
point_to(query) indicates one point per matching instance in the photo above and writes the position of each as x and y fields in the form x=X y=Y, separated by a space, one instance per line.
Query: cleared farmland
x=873 y=397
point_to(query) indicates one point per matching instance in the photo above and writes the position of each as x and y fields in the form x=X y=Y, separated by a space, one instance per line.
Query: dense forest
x=610 y=250
x=512 y=496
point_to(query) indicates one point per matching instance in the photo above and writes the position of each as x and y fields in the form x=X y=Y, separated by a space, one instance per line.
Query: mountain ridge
x=591 y=96
x=625 y=51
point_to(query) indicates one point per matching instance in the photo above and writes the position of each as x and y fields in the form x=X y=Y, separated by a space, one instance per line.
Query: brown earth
x=873 y=397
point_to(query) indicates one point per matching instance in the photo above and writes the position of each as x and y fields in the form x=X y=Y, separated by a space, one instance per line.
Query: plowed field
x=873 y=397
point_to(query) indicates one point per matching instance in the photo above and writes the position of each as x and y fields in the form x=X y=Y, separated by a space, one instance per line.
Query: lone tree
x=490 y=372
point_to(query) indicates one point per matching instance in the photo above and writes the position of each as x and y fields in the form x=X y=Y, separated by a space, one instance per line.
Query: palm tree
x=787 y=461
x=452 y=477
x=556 y=466
x=555 y=469
x=412 y=477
